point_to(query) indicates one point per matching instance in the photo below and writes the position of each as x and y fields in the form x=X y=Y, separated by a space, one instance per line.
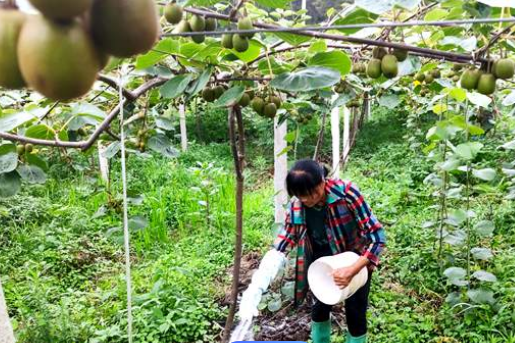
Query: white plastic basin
x=322 y=282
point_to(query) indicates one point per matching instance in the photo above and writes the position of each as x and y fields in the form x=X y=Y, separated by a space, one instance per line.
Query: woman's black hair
x=304 y=177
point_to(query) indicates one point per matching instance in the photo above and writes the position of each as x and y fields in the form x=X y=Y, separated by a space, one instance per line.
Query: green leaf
x=32 y=174
x=163 y=49
x=450 y=165
x=199 y=83
x=479 y=99
x=35 y=160
x=456 y=217
x=389 y=101
x=230 y=97
x=290 y=136
x=10 y=184
x=428 y=67
x=509 y=99
x=484 y=228
x=468 y=151
x=481 y=296
x=11 y=121
x=509 y=145
x=436 y=14
x=439 y=108
x=481 y=253
x=205 y=3
x=336 y=59
x=306 y=79
x=274 y=3
x=164 y=123
x=458 y=94
x=456 y=276
x=40 y=131
x=175 y=86
x=292 y=38
x=85 y=114
x=467 y=44
x=8 y=158
x=487 y=174
x=138 y=223
x=342 y=99
x=251 y=53
x=482 y=275
x=356 y=16
x=111 y=150
x=374 y=6
x=160 y=143
x=318 y=46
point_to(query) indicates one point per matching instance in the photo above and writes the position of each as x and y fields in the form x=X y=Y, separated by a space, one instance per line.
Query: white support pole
x=303 y=4
x=280 y=170
x=346 y=132
x=6 y=330
x=367 y=107
x=335 y=139
x=182 y=123
x=103 y=162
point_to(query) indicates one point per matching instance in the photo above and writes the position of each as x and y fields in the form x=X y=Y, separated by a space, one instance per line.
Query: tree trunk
x=6 y=330
x=238 y=151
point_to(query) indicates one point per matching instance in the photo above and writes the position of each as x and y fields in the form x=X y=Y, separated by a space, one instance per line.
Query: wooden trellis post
x=6 y=330
x=280 y=169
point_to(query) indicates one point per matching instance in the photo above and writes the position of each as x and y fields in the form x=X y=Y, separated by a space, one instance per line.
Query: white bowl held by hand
x=322 y=282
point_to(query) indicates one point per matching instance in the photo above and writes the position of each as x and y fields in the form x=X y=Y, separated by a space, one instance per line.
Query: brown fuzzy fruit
x=173 y=13
x=58 y=60
x=61 y=9
x=486 y=84
x=124 y=28
x=11 y=22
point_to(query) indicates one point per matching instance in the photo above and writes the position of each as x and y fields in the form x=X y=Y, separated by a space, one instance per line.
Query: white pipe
x=182 y=123
x=6 y=330
x=346 y=132
x=335 y=138
x=280 y=170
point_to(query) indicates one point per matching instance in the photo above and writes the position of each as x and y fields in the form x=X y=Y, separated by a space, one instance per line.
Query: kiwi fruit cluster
x=210 y=94
x=60 y=51
x=484 y=79
x=174 y=14
x=385 y=63
x=302 y=117
x=23 y=149
x=427 y=77
x=239 y=42
x=266 y=106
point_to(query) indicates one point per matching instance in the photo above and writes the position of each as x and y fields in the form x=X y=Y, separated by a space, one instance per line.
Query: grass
x=62 y=264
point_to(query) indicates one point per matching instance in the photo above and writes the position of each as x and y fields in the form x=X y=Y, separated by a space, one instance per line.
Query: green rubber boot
x=360 y=339
x=321 y=331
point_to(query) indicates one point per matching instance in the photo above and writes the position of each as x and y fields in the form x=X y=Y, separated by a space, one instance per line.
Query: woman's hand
x=343 y=276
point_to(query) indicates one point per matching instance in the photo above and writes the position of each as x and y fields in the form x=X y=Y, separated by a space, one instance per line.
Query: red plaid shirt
x=350 y=226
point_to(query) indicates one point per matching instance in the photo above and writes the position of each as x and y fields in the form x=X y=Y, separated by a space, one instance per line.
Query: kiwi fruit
x=486 y=84
x=389 y=66
x=245 y=24
x=504 y=68
x=240 y=44
x=470 y=78
x=378 y=52
x=57 y=60
x=436 y=73
x=11 y=23
x=270 y=110
x=197 y=23
x=173 y=13
x=258 y=105
x=251 y=94
x=211 y=24
x=428 y=78
x=124 y=28
x=29 y=148
x=227 y=41
x=420 y=77
x=374 y=68
x=20 y=149
x=276 y=100
x=245 y=100
x=208 y=94
x=456 y=78
x=61 y=9
x=198 y=38
x=183 y=26
x=401 y=54
x=218 y=90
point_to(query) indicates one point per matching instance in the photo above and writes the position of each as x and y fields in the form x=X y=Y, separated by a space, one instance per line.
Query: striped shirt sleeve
x=367 y=222
x=286 y=239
